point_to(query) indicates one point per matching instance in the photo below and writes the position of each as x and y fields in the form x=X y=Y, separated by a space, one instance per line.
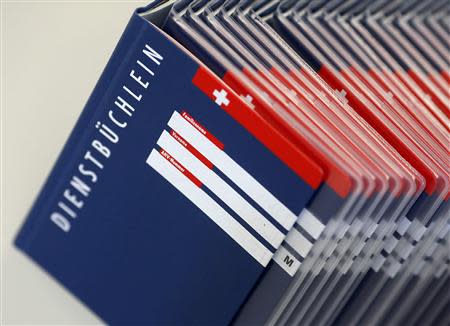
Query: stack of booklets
x=260 y=163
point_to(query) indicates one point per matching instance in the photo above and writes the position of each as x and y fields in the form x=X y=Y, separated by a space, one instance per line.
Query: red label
x=202 y=130
x=245 y=114
x=180 y=167
x=191 y=149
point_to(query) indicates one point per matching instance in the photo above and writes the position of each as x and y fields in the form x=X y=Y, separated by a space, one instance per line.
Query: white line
x=404 y=248
x=233 y=171
x=286 y=261
x=298 y=242
x=208 y=206
x=390 y=243
x=310 y=223
x=222 y=190
x=403 y=225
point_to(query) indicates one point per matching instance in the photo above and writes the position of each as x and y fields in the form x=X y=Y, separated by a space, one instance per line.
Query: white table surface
x=52 y=54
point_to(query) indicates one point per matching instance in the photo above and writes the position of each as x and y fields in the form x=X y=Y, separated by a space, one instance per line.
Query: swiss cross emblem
x=249 y=100
x=221 y=97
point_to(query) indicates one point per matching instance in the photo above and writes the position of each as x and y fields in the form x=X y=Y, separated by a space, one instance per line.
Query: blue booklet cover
x=170 y=196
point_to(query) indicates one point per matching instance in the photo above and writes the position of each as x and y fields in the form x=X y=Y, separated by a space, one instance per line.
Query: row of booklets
x=260 y=162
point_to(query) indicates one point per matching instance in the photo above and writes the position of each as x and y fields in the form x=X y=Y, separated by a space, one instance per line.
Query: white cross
x=342 y=95
x=221 y=97
x=248 y=99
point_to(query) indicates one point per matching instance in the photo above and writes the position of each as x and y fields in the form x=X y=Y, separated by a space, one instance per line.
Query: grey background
x=52 y=54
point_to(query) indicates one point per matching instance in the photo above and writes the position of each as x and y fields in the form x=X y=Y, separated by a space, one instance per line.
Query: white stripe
x=372 y=229
x=390 y=244
x=404 y=248
x=355 y=227
x=310 y=223
x=298 y=242
x=208 y=206
x=342 y=229
x=418 y=268
x=377 y=263
x=234 y=171
x=358 y=248
x=286 y=261
x=222 y=190
x=403 y=225
x=418 y=231
x=440 y=271
x=431 y=248
x=348 y=263
x=445 y=229
x=393 y=269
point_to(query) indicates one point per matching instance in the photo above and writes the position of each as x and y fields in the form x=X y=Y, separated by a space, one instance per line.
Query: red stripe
x=191 y=149
x=180 y=167
x=443 y=86
x=337 y=179
x=333 y=127
x=202 y=129
x=357 y=104
x=420 y=98
x=265 y=132
x=443 y=106
x=446 y=75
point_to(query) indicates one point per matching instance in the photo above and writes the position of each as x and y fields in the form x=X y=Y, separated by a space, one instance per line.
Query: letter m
x=288 y=260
